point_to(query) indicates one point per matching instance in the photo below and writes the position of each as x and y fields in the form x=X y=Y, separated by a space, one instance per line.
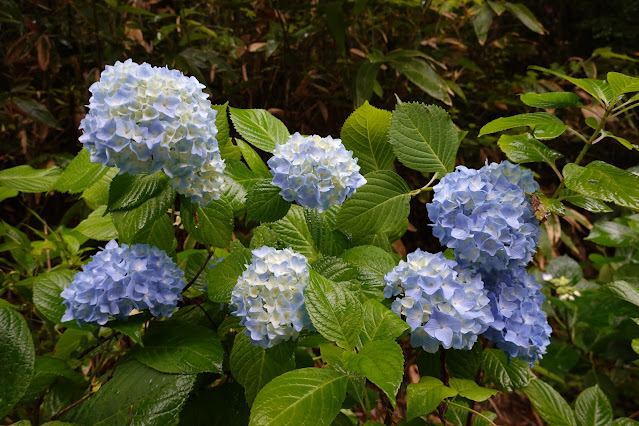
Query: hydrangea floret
x=269 y=296
x=143 y=119
x=120 y=279
x=520 y=328
x=486 y=216
x=315 y=172
x=443 y=304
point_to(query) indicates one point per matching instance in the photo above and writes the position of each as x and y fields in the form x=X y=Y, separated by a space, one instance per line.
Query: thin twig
x=197 y=274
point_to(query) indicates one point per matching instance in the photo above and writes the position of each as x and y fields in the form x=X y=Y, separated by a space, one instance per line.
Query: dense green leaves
x=80 y=174
x=380 y=323
x=259 y=128
x=335 y=312
x=551 y=99
x=605 y=182
x=381 y=205
x=526 y=149
x=171 y=347
x=365 y=132
x=304 y=396
x=542 y=124
x=425 y=396
x=27 y=179
x=506 y=374
x=549 y=404
x=253 y=366
x=264 y=202
x=17 y=355
x=593 y=408
x=136 y=394
x=424 y=137
x=212 y=224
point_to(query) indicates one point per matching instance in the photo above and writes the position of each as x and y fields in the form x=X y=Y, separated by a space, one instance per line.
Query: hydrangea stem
x=197 y=274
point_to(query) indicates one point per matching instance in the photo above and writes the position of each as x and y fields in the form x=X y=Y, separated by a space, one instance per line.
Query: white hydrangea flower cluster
x=269 y=296
x=143 y=119
x=315 y=172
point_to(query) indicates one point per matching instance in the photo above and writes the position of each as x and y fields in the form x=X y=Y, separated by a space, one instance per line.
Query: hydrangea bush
x=265 y=312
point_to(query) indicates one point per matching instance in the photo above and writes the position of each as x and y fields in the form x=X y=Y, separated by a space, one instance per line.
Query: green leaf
x=507 y=374
x=481 y=21
x=593 y=408
x=253 y=366
x=526 y=17
x=612 y=234
x=212 y=224
x=263 y=236
x=542 y=124
x=222 y=124
x=132 y=326
x=421 y=74
x=463 y=363
x=549 y=404
x=621 y=140
x=590 y=204
x=481 y=421
x=98 y=226
x=7 y=193
x=305 y=396
x=253 y=159
x=46 y=294
x=170 y=347
x=129 y=191
x=365 y=132
x=602 y=181
x=335 y=312
x=47 y=370
x=379 y=206
x=27 y=179
x=292 y=231
x=222 y=405
x=471 y=390
x=18 y=357
x=565 y=266
x=526 y=149
x=380 y=323
x=328 y=241
x=259 y=128
x=551 y=99
x=624 y=290
x=36 y=110
x=223 y=277
x=423 y=397
x=424 y=137
x=159 y=233
x=544 y=206
x=365 y=81
x=625 y=421
x=381 y=362
x=372 y=264
x=599 y=89
x=136 y=394
x=80 y=174
x=98 y=193
x=264 y=202
x=620 y=83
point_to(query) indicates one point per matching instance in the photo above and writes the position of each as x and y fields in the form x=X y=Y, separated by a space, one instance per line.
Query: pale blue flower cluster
x=443 y=304
x=143 y=119
x=269 y=296
x=121 y=278
x=315 y=172
x=486 y=216
x=520 y=328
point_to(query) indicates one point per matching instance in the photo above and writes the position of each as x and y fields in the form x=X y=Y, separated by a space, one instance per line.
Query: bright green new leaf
x=593 y=408
x=264 y=202
x=381 y=362
x=605 y=182
x=27 y=179
x=526 y=149
x=551 y=99
x=471 y=390
x=80 y=174
x=621 y=83
x=223 y=277
x=365 y=132
x=46 y=294
x=222 y=124
x=253 y=159
x=379 y=206
x=424 y=137
x=170 y=347
x=380 y=323
x=18 y=357
x=300 y=397
x=98 y=226
x=7 y=193
x=507 y=374
x=543 y=125
x=292 y=231
x=253 y=366
x=259 y=128
x=549 y=404
x=599 y=89
x=335 y=312
x=423 y=397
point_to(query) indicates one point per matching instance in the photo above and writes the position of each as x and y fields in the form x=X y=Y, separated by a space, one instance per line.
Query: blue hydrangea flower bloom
x=269 y=296
x=315 y=172
x=520 y=328
x=486 y=217
x=143 y=119
x=442 y=303
x=121 y=278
